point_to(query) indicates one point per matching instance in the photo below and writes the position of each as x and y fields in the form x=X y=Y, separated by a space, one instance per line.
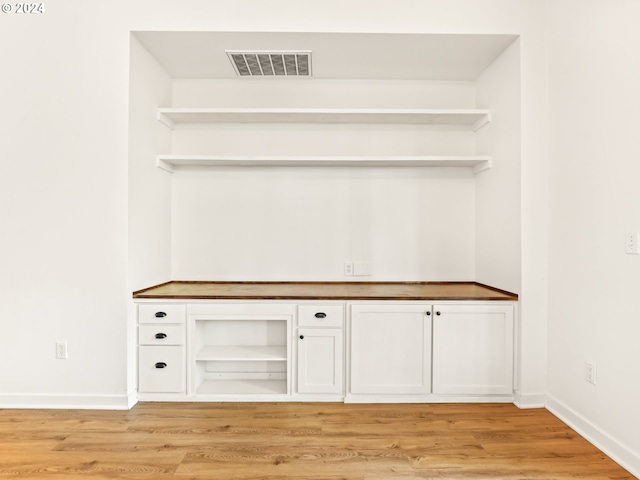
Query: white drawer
x=320 y=315
x=161 y=369
x=161 y=334
x=161 y=313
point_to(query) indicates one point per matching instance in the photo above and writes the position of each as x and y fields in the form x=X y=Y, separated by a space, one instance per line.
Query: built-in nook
x=399 y=151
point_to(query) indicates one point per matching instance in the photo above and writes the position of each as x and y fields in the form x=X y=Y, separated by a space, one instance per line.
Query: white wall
x=63 y=191
x=303 y=223
x=594 y=304
x=149 y=187
x=327 y=139
x=344 y=93
x=497 y=200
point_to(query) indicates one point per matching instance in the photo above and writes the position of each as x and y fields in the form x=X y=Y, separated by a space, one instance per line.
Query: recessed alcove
x=401 y=151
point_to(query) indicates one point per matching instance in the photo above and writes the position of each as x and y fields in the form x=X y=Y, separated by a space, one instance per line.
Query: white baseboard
x=132 y=399
x=530 y=400
x=618 y=452
x=82 y=402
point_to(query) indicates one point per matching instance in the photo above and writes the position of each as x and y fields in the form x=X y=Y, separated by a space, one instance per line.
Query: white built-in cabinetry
x=320 y=348
x=390 y=349
x=161 y=348
x=333 y=351
x=399 y=352
x=470 y=119
x=473 y=349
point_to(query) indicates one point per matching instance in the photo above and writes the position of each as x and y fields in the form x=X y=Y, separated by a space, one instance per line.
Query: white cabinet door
x=320 y=360
x=472 y=349
x=390 y=349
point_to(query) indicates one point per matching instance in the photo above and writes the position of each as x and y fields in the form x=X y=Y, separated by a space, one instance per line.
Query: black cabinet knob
x=161 y=365
x=428 y=314
x=320 y=315
x=438 y=313
x=301 y=337
x=161 y=335
x=161 y=314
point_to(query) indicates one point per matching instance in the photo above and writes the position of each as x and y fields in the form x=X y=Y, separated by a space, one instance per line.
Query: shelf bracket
x=482 y=121
x=164 y=165
x=166 y=121
x=482 y=166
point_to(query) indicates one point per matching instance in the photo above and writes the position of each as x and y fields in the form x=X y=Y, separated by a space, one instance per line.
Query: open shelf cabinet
x=241 y=355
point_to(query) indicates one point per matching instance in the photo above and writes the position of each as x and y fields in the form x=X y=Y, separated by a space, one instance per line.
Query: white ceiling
x=334 y=55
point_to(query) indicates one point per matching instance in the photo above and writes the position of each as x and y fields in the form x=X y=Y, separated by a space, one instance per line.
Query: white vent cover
x=271 y=64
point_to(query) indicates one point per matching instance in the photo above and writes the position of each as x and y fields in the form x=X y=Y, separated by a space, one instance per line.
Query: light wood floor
x=287 y=441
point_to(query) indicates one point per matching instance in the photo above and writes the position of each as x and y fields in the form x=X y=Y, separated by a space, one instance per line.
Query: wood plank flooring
x=197 y=441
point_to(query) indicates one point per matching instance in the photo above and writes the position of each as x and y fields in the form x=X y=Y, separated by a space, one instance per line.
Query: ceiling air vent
x=271 y=64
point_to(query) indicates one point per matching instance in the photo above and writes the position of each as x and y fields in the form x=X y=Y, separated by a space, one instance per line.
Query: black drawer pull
x=160 y=336
x=161 y=365
x=320 y=315
x=160 y=314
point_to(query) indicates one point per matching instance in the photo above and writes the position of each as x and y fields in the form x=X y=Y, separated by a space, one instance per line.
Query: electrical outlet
x=632 y=243
x=348 y=269
x=61 y=350
x=590 y=372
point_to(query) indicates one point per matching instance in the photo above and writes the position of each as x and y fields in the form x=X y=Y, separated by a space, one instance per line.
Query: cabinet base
x=212 y=397
x=428 y=399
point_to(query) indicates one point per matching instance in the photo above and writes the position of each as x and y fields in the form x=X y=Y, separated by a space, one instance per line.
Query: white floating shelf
x=243 y=353
x=477 y=162
x=472 y=118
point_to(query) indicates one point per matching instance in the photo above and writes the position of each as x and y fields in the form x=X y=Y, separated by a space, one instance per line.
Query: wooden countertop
x=324 y=291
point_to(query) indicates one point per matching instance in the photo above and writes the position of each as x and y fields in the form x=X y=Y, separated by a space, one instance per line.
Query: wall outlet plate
x=632 y=243
x=61 y=351
x=590 y=372
x=348 y=269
